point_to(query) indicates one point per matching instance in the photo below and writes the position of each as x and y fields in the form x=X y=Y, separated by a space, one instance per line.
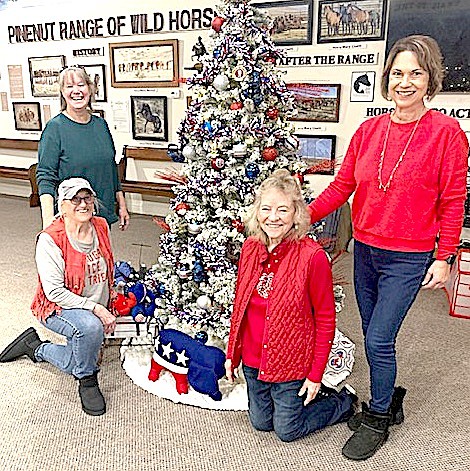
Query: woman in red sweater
x=283 y=319
x=408 y=174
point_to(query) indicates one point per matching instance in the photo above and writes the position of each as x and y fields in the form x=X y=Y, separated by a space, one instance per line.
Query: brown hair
x=80 y=71
x=429 y=57
x=283 y=181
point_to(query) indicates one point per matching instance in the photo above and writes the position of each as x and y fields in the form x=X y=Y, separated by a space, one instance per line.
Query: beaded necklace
x=400 y=159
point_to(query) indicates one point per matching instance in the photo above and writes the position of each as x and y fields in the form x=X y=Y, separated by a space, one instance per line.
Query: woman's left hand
x=437 y=274
x=311 y=389
x=124 y=218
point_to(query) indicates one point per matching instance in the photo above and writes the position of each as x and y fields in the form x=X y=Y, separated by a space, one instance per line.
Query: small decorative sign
x=89 y=52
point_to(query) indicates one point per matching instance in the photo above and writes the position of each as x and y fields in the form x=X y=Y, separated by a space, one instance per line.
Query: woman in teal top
x=76 y=143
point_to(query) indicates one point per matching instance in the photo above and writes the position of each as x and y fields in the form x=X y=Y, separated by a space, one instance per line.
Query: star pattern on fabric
x=167 y=350
x=181 y=357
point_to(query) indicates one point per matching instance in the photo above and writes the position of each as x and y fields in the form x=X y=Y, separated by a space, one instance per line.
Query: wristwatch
x=451 y=259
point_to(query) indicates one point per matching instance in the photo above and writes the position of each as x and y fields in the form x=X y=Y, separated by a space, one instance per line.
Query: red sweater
x=300 y=317
x=74 y=277
x=426 y=196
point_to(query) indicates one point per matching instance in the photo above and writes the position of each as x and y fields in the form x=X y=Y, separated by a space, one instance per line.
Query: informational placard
x=15 y=76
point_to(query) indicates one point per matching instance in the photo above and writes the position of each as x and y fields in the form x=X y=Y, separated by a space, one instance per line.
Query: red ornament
x=218 y=163
x=181 y=208
x=217 y=23
x=270 y=153
x=299 y=177
x=238 y=225
x=270 y=59
x=272 y=113
x=236 y=105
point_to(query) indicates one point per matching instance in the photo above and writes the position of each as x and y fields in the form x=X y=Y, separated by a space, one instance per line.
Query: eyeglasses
x=76 y=200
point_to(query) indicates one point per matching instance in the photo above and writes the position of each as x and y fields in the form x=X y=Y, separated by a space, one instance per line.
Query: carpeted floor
x=43 y=427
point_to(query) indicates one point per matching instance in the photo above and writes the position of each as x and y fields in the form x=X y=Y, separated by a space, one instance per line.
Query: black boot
x=24 y=344
x=371 y=435
x=90 y=395
x=396 y=409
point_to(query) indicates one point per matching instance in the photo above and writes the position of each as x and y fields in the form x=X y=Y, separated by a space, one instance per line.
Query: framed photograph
x=99 y=113
x=292 y=21
x=362 y=86
x=447 y=23
x=361 y=20
x=97 y=74
x=27 y=116
x=318 y=151
x=44 y=73
x=144 y=64
x=149 y=118
x=316 y=102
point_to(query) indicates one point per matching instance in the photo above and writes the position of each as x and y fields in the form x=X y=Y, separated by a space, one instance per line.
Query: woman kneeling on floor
x=283 y=320
x=75 y=267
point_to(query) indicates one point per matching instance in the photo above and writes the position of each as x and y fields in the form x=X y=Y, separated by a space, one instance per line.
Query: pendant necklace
x=386 y=186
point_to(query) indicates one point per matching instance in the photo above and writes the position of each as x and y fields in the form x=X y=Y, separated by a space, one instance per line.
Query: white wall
x=351 y=113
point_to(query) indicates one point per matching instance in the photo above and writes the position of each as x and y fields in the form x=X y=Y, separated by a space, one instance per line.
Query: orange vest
x=74 y=277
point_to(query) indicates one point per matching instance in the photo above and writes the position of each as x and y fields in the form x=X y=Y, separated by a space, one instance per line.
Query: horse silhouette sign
x=149 y=118
x=357 y=20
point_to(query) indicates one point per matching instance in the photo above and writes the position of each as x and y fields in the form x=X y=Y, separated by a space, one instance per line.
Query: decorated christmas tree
x=234 y=134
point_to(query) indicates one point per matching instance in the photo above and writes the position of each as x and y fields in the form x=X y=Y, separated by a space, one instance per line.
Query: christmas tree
x=235 y=133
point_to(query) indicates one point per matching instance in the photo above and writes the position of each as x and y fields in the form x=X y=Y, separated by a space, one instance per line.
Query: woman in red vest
x=75 y=268
x=283 y=320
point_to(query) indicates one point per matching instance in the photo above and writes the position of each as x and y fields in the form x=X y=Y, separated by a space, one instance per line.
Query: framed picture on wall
x=362 y=86
x=446 y=22
x=27 y=116
x=99 y=113
x=316 y=102
x=149 y=118
x=44 y=74
x=142 y=64
x=97 y=74
x=292 y=21
x=318 y=151
x=361 y=20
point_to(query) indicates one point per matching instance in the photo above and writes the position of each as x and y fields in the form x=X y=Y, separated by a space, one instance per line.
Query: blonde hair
x=283 y=181
x=429 y=58
x=82 y=75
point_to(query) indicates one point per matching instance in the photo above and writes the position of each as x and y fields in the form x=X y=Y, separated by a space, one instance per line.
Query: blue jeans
x=386 y=284
x=277 y=406
x=84 y=333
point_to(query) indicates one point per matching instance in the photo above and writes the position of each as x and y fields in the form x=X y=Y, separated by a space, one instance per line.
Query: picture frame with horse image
x=291 y=21
x=149 y=118
x=142 y=64
x=351 y=20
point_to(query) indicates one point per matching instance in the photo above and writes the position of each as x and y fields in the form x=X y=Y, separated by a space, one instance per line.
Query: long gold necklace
x=400 y=159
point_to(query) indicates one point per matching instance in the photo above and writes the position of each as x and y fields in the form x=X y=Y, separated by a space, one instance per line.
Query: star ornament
x=167 y=350
x=182 y=358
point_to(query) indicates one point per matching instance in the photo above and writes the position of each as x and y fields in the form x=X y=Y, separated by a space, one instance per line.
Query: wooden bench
x=144 y=188
x=21 y=173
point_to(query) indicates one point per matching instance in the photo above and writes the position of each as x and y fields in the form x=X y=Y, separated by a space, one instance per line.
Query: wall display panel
x=361 y=20
x=292 y=21
x=143 y=64
x=318 y=151
x=44 y=74
x=149 y=118
x=27 y=116
x=316 y=102
x=448 y=23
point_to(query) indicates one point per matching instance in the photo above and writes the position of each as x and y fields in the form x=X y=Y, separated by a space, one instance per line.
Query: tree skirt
x=136 y=354
x=136 y=363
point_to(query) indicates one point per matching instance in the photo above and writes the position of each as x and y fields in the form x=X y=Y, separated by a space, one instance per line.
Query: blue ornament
x=201 y=337
x=252 y=170
x=207 y=126
x=174 y=153
x=160 y=290
x=217 y=53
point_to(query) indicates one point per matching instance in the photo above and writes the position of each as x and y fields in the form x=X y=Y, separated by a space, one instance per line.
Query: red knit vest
x=74 y=264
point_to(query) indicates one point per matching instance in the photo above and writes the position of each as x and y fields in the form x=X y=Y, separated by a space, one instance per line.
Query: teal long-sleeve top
x=70 y=149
